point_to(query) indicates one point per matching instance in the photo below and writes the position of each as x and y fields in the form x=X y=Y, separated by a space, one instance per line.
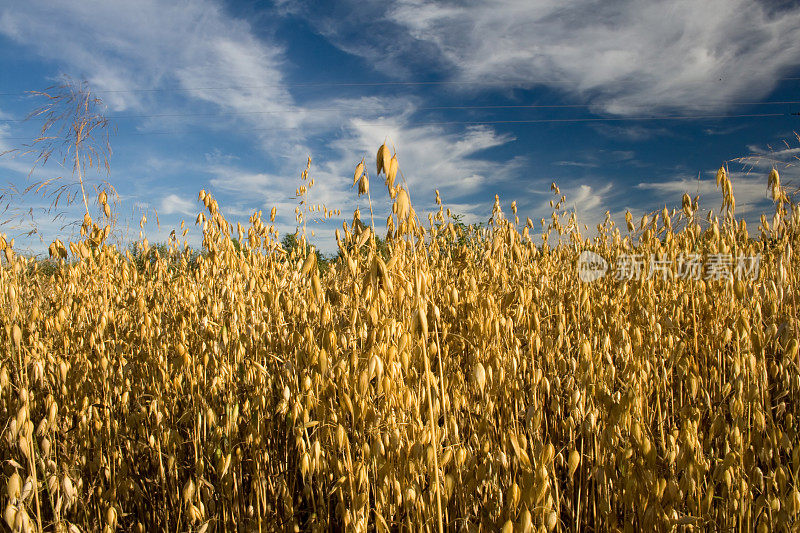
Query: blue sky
x=480 y=98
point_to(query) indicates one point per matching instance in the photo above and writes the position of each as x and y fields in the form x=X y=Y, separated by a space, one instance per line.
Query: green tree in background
x=290 y=243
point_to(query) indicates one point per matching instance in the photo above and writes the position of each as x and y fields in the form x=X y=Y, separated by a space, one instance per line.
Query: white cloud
x=766 y=158
x=723 y=131
x=430 y=158
x=749 y=190
x=634 y=133
x=151 y=45
x=586 y=199
x=622 y=56
x=145 y=44
x=583 y=164
x=173 y=204
x=197 y=46
x=589 y=204
x=786 y=160
x=650 y=56
x=599 y=158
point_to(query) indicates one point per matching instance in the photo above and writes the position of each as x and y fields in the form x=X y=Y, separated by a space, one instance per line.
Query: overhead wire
x=499 y=83
x=484 y=122
x=421 y=108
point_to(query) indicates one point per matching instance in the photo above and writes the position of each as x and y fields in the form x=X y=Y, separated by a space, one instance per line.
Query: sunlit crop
x=465 y=380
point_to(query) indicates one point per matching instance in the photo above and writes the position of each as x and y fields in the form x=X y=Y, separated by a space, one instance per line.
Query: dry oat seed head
x=359 y=171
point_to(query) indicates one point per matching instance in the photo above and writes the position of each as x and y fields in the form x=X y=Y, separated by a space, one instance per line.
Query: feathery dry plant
x=465 y=382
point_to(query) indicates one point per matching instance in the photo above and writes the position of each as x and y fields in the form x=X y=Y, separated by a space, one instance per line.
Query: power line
x=486 y=122
x=709 y=104
x=589 y=119
x=316 y=84
x=498 y=83
x=424 y=108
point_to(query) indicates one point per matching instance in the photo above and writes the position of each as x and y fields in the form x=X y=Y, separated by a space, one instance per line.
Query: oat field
x=462 y=380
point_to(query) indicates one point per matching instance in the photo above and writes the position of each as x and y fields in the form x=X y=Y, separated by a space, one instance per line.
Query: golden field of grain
x=462 y=380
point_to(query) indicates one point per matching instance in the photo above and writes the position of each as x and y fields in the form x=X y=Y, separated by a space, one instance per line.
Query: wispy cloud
x=622 y=56
x=429 y=157
x=199 y=48
x=723 y=131
x=597 y=158
x=583 y=164
x=173 y=204
x=590 y=203
x=787 y=154
x=149 y=45
x=750 y=191
x=633 y=133
x=786 y=159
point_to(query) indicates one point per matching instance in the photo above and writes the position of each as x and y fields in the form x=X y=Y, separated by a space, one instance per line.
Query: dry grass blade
x=457 y=375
